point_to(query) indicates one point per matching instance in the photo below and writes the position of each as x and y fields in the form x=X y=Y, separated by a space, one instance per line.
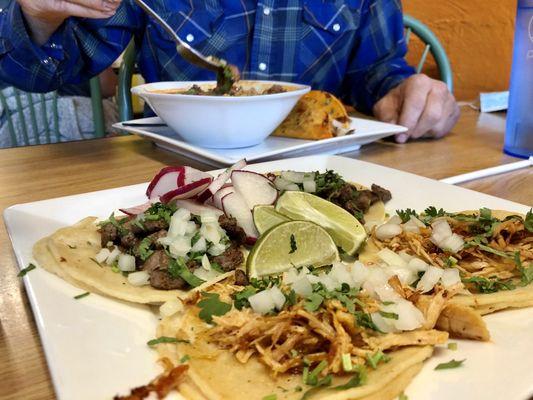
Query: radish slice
x=256 y=189
x=137 y=209
x=186 y=191
x=220 y=180
x=217 y=198
x=235 y=206
x=165 y=181
x=191 y=175
x=197 y=208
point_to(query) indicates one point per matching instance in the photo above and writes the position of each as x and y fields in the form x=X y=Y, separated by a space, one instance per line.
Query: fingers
x=388 y=107
x=416 y=90
x=89 y=8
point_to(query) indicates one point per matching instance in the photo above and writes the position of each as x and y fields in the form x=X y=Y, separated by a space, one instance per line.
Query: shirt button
x=189 y=37
x=266 y=11
x=336 y=27
x=262 y=66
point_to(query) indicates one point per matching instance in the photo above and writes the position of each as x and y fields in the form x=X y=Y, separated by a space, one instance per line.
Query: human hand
x=44 y=16
x=424 y=105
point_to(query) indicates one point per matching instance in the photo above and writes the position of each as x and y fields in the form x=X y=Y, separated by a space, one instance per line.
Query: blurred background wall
x=478 y=37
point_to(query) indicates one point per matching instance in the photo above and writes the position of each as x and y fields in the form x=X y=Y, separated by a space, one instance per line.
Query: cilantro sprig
x=211 y=305
x=450 y=364
x=24 y=271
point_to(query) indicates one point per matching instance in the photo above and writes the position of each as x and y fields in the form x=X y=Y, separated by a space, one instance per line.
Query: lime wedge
x=292 y=243
x=343 y=227
x=266 y=217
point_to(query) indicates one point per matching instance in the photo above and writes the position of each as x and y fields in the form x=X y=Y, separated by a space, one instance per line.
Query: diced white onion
x=291 y=276
x=394 y=220
x=293 y=176
x=281 y=183
x=450 y=277
x=441 y=231
x=359 y=273
x=126 y=263
x=371 y=224
x=429 y=279
x=139 y=278
x=182 y=214
x=113 y=256
x=293 y=187
x=405 y=274
x=102 y=255
x=210 y=232
x=453 y=244
x=309 y=186
x=405 y=256
x=262 y=302
x=207 y=217
x=391 y=258
x=206 y=275
x=170 y=307
x=409 y=317
x=216 y=249
x=328 y=282
x=309 y=176
x=205 y=263
x=411 y=226
x=383 y=324
x=177 y=227
x=200 y=245
x=302 y=287
x=277 y=296
x=340 y=273
x=388 y=231
x=417 y=264
x=180 y=246
x=190 y=228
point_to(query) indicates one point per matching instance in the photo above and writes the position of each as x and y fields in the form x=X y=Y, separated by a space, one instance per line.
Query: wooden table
x=41 y=172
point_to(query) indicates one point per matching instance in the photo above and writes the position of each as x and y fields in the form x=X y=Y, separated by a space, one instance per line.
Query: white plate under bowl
x=365 y=131
x=96 y=346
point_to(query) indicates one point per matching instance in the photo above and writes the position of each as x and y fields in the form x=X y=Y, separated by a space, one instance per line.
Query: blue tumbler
x=519 y=132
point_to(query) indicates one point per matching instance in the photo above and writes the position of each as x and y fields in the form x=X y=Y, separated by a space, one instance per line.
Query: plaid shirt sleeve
x=77 y=51
x=377 y=63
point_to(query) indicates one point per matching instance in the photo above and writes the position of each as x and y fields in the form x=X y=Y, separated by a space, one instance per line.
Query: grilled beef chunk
x=154 y=237
x=233 y=230
x=158 y=260
x=240 y=278
x=230 y=259
x=129 y=240
x=156 y=225
x=109 y=233
x=161 y=279
x=383 y=194
x=130 y=226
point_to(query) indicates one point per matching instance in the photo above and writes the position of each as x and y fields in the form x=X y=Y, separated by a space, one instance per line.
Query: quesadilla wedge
x=492 y=250
x=317 y=115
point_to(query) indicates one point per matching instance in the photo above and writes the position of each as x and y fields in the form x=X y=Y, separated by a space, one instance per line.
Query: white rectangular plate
x=96 y=339
x=366 y=131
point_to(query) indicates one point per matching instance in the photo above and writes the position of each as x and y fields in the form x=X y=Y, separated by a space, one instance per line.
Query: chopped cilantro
x=364 y=320
x=313 y=302
x=117 y=224
x=165 y=339
x=450 y=261
x=240 y=300
x=160 y=211
x=26 y=270
x=406 y=214
x=528 y=221
x=217 y=267
x=388 y=303
x=450 y=364
x=403 y=396
x=195 y=238
x=486 y=285
x=178 y=269
x=358 y=379
x=144 y=250
x=434 y=213
x=291 y=297
x=374 y=359
x=489 y=249
x=81 y=296
x=312 y=378
x=525 y=272
x=184 y=359
x=294 y=247
x=115 y=268
x=389 y=315
x=271 y=397
x=452 y=346
x=328 y=182
x=211 y=305
x=266 y=282
x=326 y=381
x=347 y=362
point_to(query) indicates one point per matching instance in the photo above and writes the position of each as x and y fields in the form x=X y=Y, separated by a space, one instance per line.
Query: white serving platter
x=96 y=347
x=366 y=131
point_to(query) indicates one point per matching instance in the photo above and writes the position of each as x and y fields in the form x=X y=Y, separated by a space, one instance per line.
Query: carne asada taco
x=492 y=251
x=350 y=332
x=155 y=256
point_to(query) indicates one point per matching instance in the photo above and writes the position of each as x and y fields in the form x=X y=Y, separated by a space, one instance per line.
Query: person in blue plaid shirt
x=354 y=49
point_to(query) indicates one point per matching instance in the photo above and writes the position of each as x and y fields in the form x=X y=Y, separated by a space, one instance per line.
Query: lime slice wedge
x=266 y=217
x=343 y=227
x=292 y=243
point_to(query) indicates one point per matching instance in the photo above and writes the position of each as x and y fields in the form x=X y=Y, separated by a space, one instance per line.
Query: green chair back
x=43 y=108
x=125 y=74
x=432 y=45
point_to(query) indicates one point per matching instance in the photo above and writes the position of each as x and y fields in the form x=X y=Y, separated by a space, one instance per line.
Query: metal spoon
x=186 y=51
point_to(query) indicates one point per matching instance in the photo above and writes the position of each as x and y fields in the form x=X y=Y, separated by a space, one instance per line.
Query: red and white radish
x=197 y=208
x=235 y=206
x=136 y=209
x=220 y=180
x=217 y=198
x=179 y=178
x=187 y=191
x=256 y=189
